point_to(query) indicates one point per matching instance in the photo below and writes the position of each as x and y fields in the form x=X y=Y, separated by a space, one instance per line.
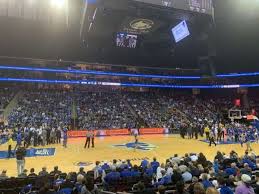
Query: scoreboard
x=201 y=6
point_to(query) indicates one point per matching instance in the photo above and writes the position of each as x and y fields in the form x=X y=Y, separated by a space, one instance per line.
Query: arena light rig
x=92 y=82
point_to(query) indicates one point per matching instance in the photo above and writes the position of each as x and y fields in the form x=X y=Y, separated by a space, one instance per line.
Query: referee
x=88 y=139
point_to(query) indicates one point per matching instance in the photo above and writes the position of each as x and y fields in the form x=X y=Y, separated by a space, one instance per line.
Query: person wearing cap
x=245 y=186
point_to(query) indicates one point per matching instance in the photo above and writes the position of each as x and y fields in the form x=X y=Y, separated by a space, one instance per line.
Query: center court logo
x=140 y=146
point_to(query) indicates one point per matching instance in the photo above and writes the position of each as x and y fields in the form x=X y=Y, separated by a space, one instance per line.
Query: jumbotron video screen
x=201 y=6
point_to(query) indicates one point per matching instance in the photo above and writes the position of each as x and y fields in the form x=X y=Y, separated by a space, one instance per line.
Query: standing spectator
x=44 y=136
x=58 y=135
x=18 y=140
x=92 y=138
x=9 y=143
x=20 y=159
x=65 y=138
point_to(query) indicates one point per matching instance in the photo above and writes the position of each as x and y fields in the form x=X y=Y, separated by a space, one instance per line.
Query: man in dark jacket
x=20 y=159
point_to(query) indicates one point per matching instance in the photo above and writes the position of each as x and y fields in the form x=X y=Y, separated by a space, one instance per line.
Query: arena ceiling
x=235 y=36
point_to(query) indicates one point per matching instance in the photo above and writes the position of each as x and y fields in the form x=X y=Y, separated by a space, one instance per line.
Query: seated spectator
x=245 y=186
x=202 y=160
x=246 y=170
x=212 y=190
x=256 y=186
x=199 y=189
x=55 y=171
x=81 y=171
x=140 y=188
x=112 y=176
x=129 y=163
x=159 y=171
x=32 y=173
x=177 y=176
x=187 y=176
x=165 y=179
x=99 y=173
x=180 y=188
x=223 y=188
x=161 y=189
x=123 y=164
x=3 y=175
x=205 y=181
x=232 y=170
x=43 y=172
x=23 y=174
x=149 y=170
x=105 y=166
x=125 y=173
x=155 y=165
x=191 y=186
x=144 y=163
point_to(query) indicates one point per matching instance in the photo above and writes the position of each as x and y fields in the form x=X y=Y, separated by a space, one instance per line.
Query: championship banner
x=32 y=152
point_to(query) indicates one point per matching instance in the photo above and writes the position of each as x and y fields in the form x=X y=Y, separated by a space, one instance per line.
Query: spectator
x=20 y=159
x=32 y=173
x=245 y=187
x=3 y=175
x=43 y=172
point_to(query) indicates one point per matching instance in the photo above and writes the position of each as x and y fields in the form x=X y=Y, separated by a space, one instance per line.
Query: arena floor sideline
x=118 y=147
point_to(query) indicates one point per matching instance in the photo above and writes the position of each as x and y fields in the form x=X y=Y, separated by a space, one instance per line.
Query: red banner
x=114 y=132
x=151 y=131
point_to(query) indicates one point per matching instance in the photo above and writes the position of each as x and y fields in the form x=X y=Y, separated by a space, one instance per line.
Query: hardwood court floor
x=166 y=146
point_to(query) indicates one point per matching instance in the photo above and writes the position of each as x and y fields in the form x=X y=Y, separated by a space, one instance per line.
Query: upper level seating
x=6 y=95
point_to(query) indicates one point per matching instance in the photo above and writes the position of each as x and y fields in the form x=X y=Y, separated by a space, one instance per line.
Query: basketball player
x=136 y=140
x=212 y=138
x=248 y=142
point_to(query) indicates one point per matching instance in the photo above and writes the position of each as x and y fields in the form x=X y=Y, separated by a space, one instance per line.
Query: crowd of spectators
x=6 y=95
x=99 y=110
x=114 y=110
x=189 y=174
x=35 y=108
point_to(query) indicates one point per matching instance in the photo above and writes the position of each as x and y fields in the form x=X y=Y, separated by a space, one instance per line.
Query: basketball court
x=117 y=147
